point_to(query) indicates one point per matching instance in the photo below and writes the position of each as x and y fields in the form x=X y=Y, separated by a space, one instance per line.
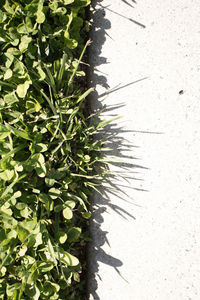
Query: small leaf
x=25 y=40
x=86 y=214
x=22 y=89
x=17 y=194
x=4 y=132
x=41 y=147
x=71 y=43
x=10 y=98
x=69 y=259
x=20 y=133
x=44 y=198
x=21 y=205
x=25 y=212
x=73 y=234
x=40 y=17
x=50 y=181
x=62 y=237
x=40 y=166
x=76 y=277
x=8 y=74
x=41 y=73
x=45 y=266
x=58 y=208
x=3 y=271
x=54 y=193
x=70 y=203
x=22 y=250
x=22 y=29
x=86 y=158
x=7 y=175
x=32 y=106
x=1 y=16
x=66 y=2
x=67 y=213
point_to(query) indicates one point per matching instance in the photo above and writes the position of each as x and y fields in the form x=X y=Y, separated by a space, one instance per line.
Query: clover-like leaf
x=7 y=175
x=69 y=259
x=40 y=147
x=25 y=40
x=22 y=89
x=73 y=234
x=62 y=237
x=10 y=98
x=32 y=106
x=54 y=193
x=40 y=17
x=8 y=74
x=67 y=213
x=66 y=2
x=40 y=166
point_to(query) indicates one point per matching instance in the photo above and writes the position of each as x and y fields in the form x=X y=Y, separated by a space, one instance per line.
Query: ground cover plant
x=49 y=160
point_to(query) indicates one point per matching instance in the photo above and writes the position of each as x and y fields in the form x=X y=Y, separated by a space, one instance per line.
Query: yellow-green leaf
x=8 y=74
x=67 y=213
x=22 y=89
x=40 y=17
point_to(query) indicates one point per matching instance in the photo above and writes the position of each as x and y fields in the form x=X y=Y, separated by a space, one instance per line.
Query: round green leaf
x=67 y=213
x=86 y=215
x=49 y=181
x=66 y=2
x=22 y=28
x=70 y=203
x=73 y=234
x=17 y=194
x=45 y=266
x=22 y=250
x=25 y=212
x=40 y=17
x=70 y=259
x=22 y=89
x=41 y=147
x=62 y=237
x=3 y=271
x=25 y=40
x=54 y=193
x=8 y=74
x=7 y=175
x=21 y=205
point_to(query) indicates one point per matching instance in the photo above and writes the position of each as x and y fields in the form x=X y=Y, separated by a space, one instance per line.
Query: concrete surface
x=145 y=64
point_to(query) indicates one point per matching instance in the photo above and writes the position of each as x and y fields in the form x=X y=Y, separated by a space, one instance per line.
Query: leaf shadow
x=129 y=166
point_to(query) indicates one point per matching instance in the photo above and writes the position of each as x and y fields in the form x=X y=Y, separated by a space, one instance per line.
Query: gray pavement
x=145 y=65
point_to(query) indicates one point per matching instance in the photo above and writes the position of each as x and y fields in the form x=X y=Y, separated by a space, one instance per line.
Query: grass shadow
x=118 y=145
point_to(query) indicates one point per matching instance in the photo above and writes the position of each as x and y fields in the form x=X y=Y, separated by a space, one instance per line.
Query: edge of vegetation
x=49 y=160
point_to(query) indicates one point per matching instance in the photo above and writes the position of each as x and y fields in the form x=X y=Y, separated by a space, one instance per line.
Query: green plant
x=49 y=162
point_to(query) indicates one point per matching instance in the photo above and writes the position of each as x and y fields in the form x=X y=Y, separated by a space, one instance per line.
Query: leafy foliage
x=49 y=161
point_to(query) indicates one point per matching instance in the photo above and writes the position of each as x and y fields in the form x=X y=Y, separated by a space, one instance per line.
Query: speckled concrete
x=147 y=237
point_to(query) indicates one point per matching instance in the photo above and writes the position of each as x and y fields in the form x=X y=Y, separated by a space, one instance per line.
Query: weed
x=49 y=161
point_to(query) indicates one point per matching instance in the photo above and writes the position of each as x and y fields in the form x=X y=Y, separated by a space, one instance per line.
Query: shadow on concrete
x=119 y=87
x=117 y=145
x=129 y=4
x=100 y=202
x=123 y=16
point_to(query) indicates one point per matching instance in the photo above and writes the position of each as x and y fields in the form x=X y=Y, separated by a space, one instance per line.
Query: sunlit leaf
x=67 y=213
x=22 y=89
